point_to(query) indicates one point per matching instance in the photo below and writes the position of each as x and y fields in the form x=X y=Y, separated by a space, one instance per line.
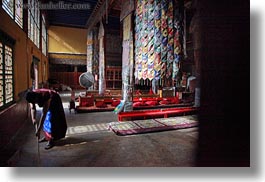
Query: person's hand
x=35 y=126
x=37 y=133
x=34 y=121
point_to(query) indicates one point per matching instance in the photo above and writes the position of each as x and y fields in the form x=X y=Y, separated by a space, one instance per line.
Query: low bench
x=159 y=113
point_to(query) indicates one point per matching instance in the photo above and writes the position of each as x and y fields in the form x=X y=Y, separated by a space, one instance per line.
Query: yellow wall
x=67 y=40
x=24 y=50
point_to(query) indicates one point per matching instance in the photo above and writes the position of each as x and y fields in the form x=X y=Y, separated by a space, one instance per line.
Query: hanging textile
x=164 y=31
x=145 y=40
x=157 y=41
x=138 y=40
x=178 y=26
x=164 y=8
x=170 y=40
x=151 y=32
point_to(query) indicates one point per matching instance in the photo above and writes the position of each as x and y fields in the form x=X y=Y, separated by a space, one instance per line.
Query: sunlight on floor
x=87 y=128
x=82 y=143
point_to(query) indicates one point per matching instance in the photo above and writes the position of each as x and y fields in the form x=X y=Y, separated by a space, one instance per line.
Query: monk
x=52 y=121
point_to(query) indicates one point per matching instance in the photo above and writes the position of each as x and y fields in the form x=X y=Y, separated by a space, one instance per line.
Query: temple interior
x=143 y=83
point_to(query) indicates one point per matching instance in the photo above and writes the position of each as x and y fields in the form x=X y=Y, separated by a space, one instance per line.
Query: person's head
x=35 y=98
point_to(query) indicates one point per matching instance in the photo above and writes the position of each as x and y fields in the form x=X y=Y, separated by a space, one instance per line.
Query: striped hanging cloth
x=157 y=39
x=145 y=40
x=164 y=29
x=170 y=44
x=138 y=26
x=177 y=45
x=138 y=39
x=151 y=32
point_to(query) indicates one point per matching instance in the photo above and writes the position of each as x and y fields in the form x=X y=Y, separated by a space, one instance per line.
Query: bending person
x=52 y=120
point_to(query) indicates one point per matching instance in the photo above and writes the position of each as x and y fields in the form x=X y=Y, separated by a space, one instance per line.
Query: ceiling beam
x=98 y=12
x=70 y=25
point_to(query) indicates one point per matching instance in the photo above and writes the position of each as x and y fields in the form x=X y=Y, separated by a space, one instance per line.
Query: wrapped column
x=89 y=51
x=178 y=41
x=157 y=39
x=138 y=41
x=102 y=81
x=170 y=44
x=95 y=61
x=127 y=64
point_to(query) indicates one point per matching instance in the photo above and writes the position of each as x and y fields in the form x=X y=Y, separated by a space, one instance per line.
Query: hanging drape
x=158 y=40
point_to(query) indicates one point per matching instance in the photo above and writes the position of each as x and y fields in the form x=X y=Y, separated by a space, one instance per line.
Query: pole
x=38 y=146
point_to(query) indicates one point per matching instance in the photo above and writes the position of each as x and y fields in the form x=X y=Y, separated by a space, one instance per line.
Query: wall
x=67 y=46
x=8 y=26
x=13 y=117
x=24 y=50
x=67 y=40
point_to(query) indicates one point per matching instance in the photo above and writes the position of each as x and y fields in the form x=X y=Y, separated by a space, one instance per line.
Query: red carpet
x=151 y=125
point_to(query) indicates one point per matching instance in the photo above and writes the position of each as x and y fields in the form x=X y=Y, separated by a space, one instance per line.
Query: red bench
x=155 y=113
x=86 y=101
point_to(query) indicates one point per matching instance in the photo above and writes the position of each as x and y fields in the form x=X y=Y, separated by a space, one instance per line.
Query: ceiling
x=77 y=17
x=90 y=14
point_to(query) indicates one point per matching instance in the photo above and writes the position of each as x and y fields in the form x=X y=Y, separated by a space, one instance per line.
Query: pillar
x=90 y=48
x=196 y=29
x=95 y=62
x=102 y=81
x=127 y=64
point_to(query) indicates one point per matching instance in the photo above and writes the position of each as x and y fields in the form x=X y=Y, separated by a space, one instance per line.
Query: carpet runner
x=152 y=125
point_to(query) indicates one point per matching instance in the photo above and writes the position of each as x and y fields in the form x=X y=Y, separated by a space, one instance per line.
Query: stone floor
x=89 y=143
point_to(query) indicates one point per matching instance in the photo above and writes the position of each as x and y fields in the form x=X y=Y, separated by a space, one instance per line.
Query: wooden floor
x=89 y=143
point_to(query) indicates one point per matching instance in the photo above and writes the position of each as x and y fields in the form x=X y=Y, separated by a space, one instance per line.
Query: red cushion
x=86 y=101
x=83 y=104
x=100 y=104
x=175 y=100
x=163 y=102
x=151 y=103
x=108 y=101
x=115 y=103
x=137 y=104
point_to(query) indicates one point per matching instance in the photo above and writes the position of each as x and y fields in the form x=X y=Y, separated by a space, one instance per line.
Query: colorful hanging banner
x=157 y=44
x=151 y=32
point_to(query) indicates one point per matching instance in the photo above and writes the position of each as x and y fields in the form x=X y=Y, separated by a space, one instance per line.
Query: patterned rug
x=152 y=125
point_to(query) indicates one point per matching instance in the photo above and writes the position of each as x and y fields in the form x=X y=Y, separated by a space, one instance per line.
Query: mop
x=38 y=147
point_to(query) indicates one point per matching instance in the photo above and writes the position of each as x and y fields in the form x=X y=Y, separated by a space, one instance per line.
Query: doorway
x=35 y=73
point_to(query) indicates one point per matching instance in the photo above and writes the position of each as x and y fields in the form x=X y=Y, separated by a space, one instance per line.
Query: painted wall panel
x=67 y=40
